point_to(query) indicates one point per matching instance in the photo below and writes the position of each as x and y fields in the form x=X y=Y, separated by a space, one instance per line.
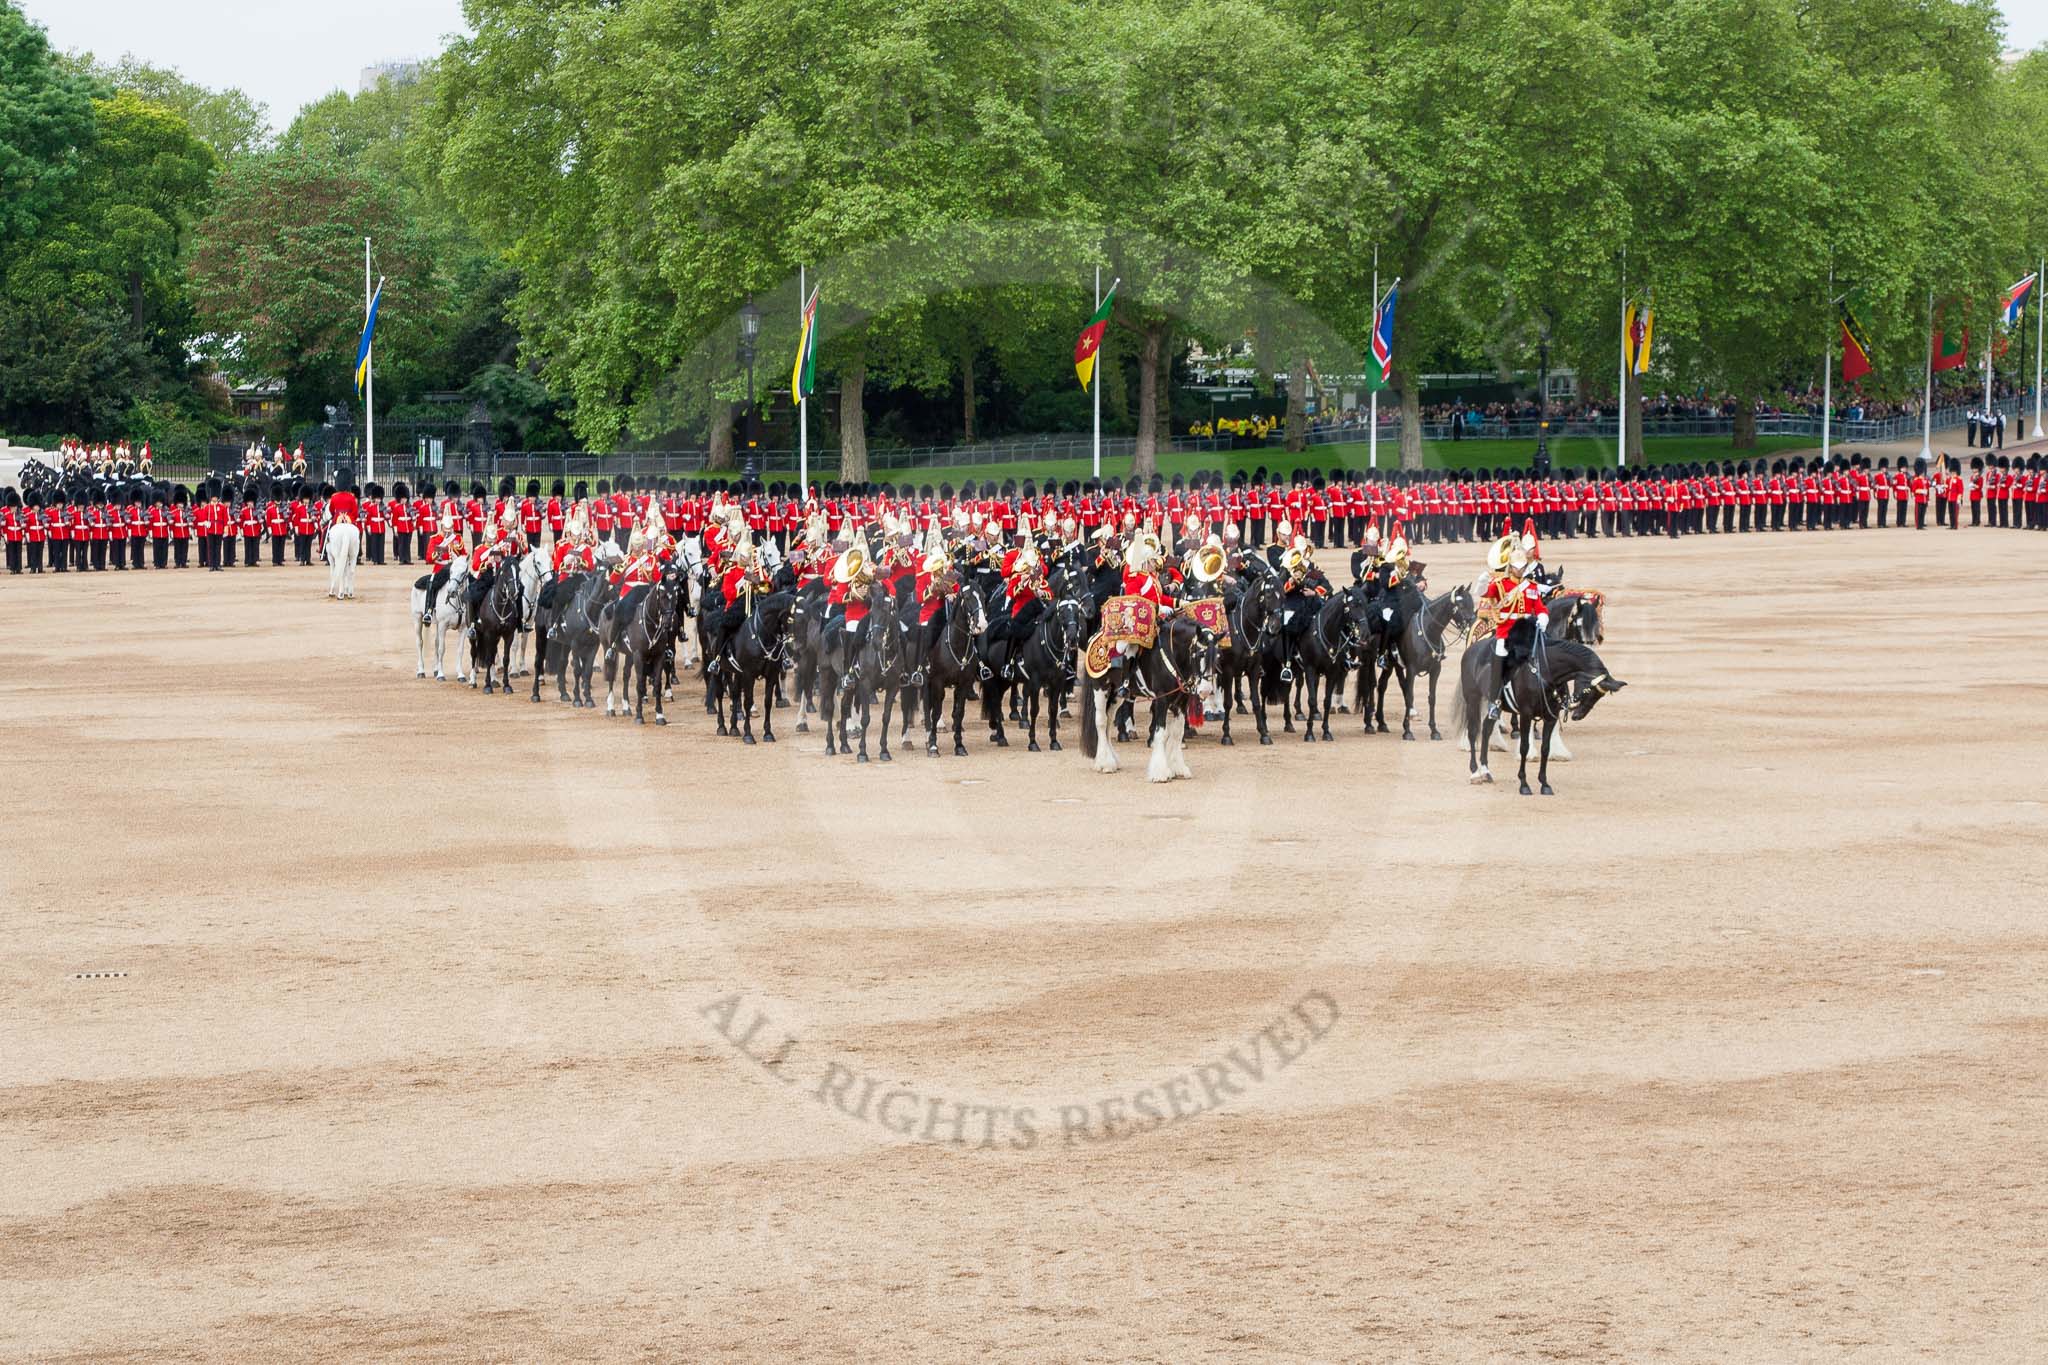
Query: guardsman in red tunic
x=443 y=549
x=1512 y=600
x=13 y=528
x=1919 y=487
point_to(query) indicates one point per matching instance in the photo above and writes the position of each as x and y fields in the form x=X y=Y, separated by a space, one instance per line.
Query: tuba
x=1207 y=563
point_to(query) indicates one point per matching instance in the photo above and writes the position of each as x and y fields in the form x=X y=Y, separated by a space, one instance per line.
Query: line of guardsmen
x=128 y=527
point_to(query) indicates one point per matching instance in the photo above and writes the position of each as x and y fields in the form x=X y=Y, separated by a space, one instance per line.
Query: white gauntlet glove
x=1500 y=648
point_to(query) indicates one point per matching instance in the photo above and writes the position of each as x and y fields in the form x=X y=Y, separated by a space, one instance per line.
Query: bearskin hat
x=604 y=488
x=505 y=486
x=625 y=483
x=556 y=490
x=533 y=488
x=582 y=490
x=399 y=490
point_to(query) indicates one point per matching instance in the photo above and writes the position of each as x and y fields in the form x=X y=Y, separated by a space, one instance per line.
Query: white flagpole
x=1621 y=389
x=2038 y=275
x=1989 y=337
x=1827 y=379
x=1097 y=385
x=369 y=380
x=1372 y=424
x=1927 y=399
x=803 y=401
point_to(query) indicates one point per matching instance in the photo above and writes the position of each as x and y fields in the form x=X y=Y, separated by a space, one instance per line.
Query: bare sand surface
x=346 y=1014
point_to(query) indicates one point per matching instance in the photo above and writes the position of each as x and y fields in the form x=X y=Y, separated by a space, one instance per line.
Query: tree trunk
x=1297 y=407
x=967 y=395
x=1166 y=393
x=1745 y=423
x=1145 y=462
x=1411 y=420
x=720 y=456
x=853 y=418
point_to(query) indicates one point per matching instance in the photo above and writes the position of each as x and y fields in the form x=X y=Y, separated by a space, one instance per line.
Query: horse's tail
x=1361 y=679
x=1090 y=738
x=1270 y=685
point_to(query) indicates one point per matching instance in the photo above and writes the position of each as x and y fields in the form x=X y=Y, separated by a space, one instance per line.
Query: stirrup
x=987 y=673
x=917 y=678
x=1287 y=673
x=1493 y=710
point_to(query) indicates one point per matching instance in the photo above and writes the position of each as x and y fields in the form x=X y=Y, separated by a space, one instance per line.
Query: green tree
x=45 y=122
x=226 y=120
x=277 y=275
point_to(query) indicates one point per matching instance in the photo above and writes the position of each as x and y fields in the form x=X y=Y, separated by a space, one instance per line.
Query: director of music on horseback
x=1511 y=598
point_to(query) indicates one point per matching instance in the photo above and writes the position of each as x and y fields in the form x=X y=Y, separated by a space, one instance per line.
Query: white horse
x=533 y=577
x=447 y=617
x=343 y=544
x=690 y=551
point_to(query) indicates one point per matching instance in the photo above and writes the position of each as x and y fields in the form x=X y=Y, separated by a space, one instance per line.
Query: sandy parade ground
x=346 y=1013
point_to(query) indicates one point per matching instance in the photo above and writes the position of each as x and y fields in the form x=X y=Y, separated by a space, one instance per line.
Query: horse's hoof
x=661 y=720
x=931 y=751
x=1308 y=736
x=959 y=751
x=1000 y=741
x=1545 y=790
x=886 y=756
x=1265 y=739
x=1228 y=742
x=861 y=758
x=1408 y=734
x=535 y=699
x=1526 y=791
x=421 y=674
x=1032 y=747
x=1053 y=745
x=803 y=727
x=1436 y=734
x=639 y=720
x=746 y=739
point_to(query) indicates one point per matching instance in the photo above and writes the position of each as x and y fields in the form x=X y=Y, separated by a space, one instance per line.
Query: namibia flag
x=363 y=346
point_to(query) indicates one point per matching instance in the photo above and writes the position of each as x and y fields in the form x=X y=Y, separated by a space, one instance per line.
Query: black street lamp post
x=1543 y=403
x=750 y=332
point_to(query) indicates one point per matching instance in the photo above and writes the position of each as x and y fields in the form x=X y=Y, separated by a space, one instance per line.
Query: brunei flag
x=1855 y=347
x=363 y=346
x=803 y=377
x=1089 y=344
x=1642 y=321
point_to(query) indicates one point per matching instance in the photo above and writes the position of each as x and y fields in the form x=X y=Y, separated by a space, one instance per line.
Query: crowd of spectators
x=1666 y=407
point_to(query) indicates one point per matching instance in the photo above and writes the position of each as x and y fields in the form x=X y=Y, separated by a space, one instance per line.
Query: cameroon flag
x=1855 y=347
x=1090 y=343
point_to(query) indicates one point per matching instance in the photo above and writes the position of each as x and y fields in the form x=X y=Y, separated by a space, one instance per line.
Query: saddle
x=423 y=582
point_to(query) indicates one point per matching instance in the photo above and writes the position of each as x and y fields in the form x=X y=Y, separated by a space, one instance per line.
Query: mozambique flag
x=1855 y=347
x=363 y=346
x=1948 y=351
x=1642 y=321
x=803 y=376
x=1089 y=344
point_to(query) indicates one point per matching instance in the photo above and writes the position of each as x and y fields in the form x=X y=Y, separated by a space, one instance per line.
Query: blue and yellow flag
x=363 y=347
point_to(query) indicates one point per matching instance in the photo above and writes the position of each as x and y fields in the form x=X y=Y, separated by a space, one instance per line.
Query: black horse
x=643 y=648
x=1044 y=666
x=572 y=637
x=951 y=662
x=496 y=626
x=757 y=652
x=1419 y=649
x=1335 y=639
x=1560 y=678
